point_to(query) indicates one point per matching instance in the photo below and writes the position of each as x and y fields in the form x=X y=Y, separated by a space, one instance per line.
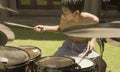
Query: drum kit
x=28 y=58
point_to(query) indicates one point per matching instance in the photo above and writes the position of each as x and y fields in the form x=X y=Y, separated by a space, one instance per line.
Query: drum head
x=32 y=51
x=14 y=55
x=55 y=62
x=85 y=63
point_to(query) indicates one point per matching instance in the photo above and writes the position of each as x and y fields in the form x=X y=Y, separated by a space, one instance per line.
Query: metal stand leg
x=101 y=44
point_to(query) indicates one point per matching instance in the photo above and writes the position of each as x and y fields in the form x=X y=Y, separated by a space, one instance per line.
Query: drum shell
x=17 y=69
x=14 y=63
x=34 y=53
x=70 y=68
x=3 y=39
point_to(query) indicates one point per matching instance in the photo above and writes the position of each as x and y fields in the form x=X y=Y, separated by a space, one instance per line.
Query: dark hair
x=73 y=5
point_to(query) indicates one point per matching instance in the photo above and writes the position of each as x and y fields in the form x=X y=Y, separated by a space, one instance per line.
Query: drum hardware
x=101 y=45
x=101 y=30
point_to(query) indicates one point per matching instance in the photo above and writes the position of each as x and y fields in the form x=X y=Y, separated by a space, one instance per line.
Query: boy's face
x=67 y=15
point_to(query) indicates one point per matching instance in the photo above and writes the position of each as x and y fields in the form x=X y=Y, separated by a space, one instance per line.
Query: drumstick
x=8 y=9
x=83 y=56
x=19 y=25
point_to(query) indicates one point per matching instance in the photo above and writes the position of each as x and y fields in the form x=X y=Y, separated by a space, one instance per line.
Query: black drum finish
x=16 y=59
x=3 y=39
x=8 y=32
x=57 y=64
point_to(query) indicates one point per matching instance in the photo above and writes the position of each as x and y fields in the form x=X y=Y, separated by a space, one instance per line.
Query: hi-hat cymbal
x=101 y=30
x=8 y=32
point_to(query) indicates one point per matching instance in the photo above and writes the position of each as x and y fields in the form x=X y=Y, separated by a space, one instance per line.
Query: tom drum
x=57 y=64
x=13 y=59
x=34 y=53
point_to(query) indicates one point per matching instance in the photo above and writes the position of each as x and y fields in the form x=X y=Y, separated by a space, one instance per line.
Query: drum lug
x=77 y=68
x=28 y=68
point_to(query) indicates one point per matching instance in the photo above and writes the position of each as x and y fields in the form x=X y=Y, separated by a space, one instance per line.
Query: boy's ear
x=77 y=12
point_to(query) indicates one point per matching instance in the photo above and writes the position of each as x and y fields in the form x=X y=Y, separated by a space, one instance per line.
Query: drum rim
x=86 y=59
x=58 y=67
x=19 y=64
x=34 y=58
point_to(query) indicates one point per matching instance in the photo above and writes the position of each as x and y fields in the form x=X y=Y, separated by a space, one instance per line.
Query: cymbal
x=7 y=9
x=8 y=32
x=101 y=30
x=115 y=22
x=113 y=41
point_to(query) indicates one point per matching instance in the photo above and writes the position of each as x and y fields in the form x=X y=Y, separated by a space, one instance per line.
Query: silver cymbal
x=101 y=30
x=7 y=32
x=113 y=41
x=7 y=9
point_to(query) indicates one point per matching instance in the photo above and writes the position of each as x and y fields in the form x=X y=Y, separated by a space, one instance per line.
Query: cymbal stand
x=101 y=45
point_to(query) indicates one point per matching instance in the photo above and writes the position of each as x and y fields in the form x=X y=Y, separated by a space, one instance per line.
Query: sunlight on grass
x=112 y=57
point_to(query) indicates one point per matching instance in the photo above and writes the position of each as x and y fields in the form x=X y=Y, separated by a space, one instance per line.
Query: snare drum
x=86 y=64
x=35 y=54
x=13 y=59
x=57 y=64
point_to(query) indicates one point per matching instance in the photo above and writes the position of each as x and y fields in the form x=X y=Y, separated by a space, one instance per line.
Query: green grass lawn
x=50 y=42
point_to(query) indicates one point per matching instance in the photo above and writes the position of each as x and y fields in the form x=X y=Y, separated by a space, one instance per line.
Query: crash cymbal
x=115 y=22
x=7 y=9
x=8 y=32
x=101 y=30
x=113 y=41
